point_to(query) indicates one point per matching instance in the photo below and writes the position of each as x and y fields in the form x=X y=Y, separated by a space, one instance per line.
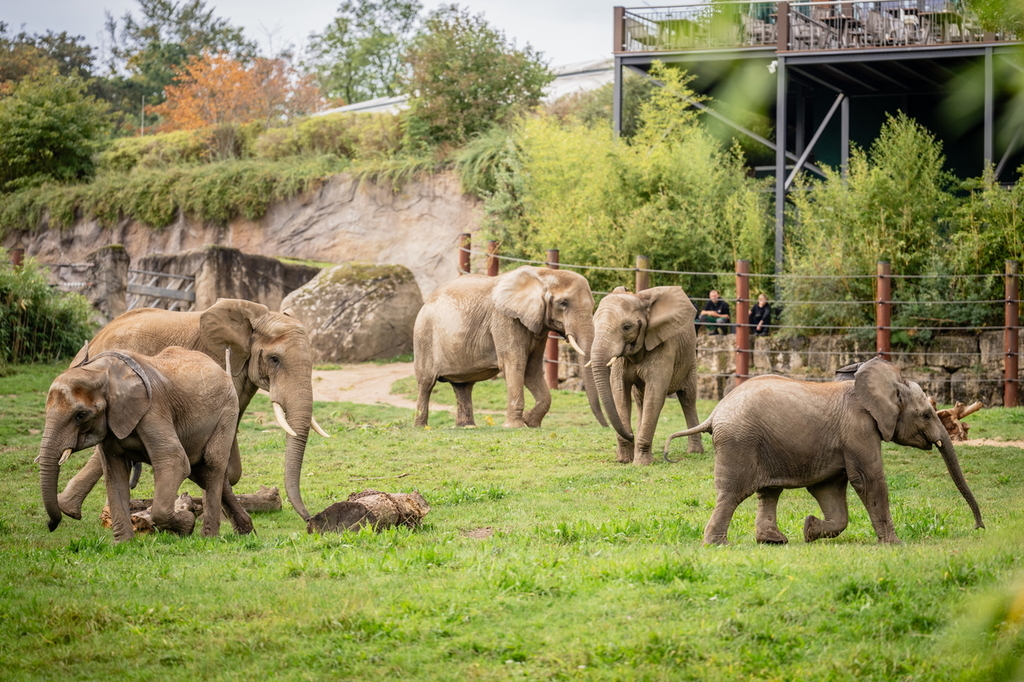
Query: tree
x=359 y=55
x=214 y=89
x=464 y=77
x=23 y=55
x=49 y=130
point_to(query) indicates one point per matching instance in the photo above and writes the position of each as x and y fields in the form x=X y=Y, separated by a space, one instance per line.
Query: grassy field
x=590 y=570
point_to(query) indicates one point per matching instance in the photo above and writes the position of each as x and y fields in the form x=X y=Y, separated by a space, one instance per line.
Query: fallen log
x=951 y=419
x=263 y=500
x=371 y=508
x=142 y=516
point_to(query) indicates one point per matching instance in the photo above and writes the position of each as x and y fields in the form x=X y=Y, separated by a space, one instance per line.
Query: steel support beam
x=781 y=123
x=989 y=108
x=814 y=139
x=617 y=98
x=844 y=137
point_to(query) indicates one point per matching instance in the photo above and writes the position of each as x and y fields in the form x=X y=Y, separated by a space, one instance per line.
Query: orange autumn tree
x=215 y=89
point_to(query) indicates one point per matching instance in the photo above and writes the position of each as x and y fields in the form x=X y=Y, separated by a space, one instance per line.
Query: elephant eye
x=81 y=416
x=274 y=360
x=626 y=327
x=564 y=303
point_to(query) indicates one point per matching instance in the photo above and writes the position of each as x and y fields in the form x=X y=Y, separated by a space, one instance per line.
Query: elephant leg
x=650 y=402
x=78 y=488
x=831 y=497
x=240 y=519
x=874 y=493
x=688 y=401
x=625 y=448
x=464 y=404
x=165 y=492
x=234 y=462
x=426 y=387
x=538 y=387
x=717 y=530
x=115 y=473
x=515 y=377
x=766 y=524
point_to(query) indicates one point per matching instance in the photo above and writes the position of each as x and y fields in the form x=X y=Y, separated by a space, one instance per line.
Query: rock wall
x=345 y=220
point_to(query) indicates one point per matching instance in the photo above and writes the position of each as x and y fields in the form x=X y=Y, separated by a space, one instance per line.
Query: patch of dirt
x=478 y=533
x=365 y=383
x=989 y=441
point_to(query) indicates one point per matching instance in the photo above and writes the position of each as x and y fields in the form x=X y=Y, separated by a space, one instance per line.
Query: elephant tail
x=703 y=427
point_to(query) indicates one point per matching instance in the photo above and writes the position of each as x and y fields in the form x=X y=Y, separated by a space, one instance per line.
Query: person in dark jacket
x=715 y=316
x=761 y=317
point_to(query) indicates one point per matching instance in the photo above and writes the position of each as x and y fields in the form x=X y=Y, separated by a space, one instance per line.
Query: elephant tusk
x=282 y=420
x=572 y=342
x=612 y=361
x=317 y=428
x=64 y=457
x=589 y=363
x=38 y=457
x=938 y=443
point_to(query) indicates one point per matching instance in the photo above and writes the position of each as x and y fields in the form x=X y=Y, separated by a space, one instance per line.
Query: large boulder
x=358 y=311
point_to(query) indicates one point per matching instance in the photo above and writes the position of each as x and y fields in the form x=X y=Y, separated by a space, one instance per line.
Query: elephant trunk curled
x=583 y=333
x=298 y=410
x=953 y=466
x=599 y=363
x=49 y=472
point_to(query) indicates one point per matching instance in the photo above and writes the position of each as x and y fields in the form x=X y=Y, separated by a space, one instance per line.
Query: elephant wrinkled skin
x=267 y=350
x=474 y=327
x=771 y=433
x=177 y=411
x=645 y=346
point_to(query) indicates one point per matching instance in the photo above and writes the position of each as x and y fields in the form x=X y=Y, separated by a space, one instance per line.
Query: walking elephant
x=645 y=346
x=772 y=433
x=267 y=350
x=474 y=327
x=177 y=411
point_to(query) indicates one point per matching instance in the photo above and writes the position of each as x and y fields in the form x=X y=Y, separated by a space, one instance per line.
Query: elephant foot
x=514 y=423
x=180 y=523
x=643 y=459
x=696 y=448
x=624 y=454
x=70 y=506
x=771 y=536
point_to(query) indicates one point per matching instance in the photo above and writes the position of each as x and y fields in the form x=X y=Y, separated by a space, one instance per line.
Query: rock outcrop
x=358 y=311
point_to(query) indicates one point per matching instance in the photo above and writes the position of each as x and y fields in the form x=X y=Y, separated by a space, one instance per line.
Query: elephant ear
x=227 y=324
x=670 y=312
x=876 y=385
x=128 y=394
x=521 y=294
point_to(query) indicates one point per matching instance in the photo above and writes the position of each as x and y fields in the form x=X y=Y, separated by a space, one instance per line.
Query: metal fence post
x=551 y=349
x=492 y=258
x=883 y=311
x=1010 y=335
x=742 y=320
x=465 y=245
x=643 y=277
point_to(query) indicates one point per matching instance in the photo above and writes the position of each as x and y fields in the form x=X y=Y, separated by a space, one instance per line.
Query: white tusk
x=316 y=427
x=939 y=443
x=282 y=420
x=64 y=457
x=572 y=342
x=589 y=363
x=227 y=359
x=612 y=361
x=38 y=457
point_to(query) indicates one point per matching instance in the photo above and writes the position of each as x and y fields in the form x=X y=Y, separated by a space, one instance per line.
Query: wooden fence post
x=883 y=311
x=1010 y=335
x=492 y=258
x=742 y=321
x=551 y=349
x=465 y=244
x=17 y=257
x=643 y=277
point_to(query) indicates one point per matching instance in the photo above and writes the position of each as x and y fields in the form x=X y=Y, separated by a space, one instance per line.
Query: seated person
x=715 y=316
x=761 y=317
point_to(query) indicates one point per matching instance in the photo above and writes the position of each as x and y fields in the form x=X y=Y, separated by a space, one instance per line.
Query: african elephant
x=772 y=433
x=475 y=326
x=177 y=411
x=645 y=345
x=267 y=350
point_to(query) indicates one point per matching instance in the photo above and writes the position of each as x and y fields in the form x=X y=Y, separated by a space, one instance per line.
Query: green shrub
x=38 y=323
x=155 y=151
x=353 y=136
x=277 y=143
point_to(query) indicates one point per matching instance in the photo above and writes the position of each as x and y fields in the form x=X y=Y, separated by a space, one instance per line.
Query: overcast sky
x=565 y=31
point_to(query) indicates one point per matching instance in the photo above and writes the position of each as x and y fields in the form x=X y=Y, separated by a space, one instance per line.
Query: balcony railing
x=794 y=26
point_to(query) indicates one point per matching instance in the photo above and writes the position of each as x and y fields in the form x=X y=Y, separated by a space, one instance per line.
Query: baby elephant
x=177 y=411
x=772 y=433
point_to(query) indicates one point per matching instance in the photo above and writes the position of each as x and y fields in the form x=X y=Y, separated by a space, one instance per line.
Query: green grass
x=593 y=571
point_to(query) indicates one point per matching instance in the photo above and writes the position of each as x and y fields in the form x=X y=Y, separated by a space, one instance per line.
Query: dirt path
x=365 y=383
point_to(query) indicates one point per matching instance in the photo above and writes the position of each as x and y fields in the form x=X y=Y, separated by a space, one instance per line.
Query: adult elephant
x=772 y=433
x=645 y=345
x=267 y=350
x=176 y=410
x=474 y=327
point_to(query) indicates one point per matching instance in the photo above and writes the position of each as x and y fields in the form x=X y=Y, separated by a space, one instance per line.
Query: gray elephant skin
x=771 y=433
x=177 y=411
x=267 y=350
x=474 y=327
x=645 y=348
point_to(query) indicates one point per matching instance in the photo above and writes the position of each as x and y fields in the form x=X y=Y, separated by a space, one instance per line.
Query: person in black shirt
x=761 y=317
x=715 y=316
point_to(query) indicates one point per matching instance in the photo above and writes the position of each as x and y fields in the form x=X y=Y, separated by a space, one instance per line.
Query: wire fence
x=953 y=360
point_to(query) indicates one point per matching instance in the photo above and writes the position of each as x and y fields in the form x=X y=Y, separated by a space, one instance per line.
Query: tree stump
x=371 y=508
x=951 y=419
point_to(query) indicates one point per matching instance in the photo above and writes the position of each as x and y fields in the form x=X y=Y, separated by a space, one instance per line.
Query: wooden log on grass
x=951 y=419
x=263 y=500
x=371 y=508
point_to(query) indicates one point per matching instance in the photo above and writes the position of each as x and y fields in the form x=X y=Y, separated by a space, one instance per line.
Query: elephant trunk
x=298 y=413
x=49 y=471
x=581 y=331
x=599 y=364
x=953 y=466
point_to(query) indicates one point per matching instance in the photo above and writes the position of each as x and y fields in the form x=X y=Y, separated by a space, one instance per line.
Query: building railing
x=799 y=26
